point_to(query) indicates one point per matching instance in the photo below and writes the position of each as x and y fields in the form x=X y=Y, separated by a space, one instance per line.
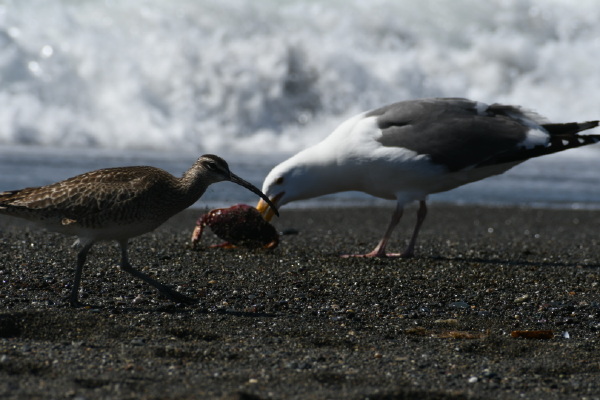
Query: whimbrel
x=408 y=150
x=117 y=204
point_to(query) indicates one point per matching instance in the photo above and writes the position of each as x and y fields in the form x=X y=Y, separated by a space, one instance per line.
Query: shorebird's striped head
x=212 y=169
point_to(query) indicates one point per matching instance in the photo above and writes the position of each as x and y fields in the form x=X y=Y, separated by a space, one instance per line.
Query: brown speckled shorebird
x=117 y=204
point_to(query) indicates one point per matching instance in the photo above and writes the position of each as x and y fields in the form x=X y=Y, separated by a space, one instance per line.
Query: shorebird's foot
x=177 y=297
x=75 y=303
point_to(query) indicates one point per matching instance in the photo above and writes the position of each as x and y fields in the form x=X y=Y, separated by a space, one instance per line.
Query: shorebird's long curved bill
x=236 y=179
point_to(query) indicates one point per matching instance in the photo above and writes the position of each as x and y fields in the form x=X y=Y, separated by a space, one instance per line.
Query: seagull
x=118 y=204
x=410 y=149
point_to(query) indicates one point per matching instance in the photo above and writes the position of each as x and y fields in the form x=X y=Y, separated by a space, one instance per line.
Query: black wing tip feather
x=557 y=144
x=589 y=124
x=570 y=128
x=560 y=143
x=565 y=136
x=575 y=141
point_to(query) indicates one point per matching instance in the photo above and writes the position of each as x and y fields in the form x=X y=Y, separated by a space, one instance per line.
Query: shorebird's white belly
x=110 y=231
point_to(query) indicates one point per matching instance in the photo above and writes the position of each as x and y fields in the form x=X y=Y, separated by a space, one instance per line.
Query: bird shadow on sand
x=516 y=262
x=470 y=260
x=174 y=309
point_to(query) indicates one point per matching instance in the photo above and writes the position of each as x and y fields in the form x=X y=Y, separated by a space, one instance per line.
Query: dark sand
x=302 y=323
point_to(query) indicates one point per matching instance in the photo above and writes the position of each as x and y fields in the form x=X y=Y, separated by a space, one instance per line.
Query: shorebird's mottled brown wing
x=88 y=196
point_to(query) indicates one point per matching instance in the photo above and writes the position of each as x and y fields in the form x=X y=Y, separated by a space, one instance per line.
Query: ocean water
x=90 y=84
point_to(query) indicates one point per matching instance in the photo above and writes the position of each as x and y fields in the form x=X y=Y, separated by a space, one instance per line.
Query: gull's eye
x=279 y=181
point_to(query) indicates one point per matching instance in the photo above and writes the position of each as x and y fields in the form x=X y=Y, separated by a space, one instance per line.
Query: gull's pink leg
x=421 y=214
x=379 y=250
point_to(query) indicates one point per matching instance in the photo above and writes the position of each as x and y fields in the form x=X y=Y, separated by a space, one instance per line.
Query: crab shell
x=239 y=225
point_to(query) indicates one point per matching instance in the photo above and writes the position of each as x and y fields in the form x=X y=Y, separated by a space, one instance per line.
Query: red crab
x=239 y=225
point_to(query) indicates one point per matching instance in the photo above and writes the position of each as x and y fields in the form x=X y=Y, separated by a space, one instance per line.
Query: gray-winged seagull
x=407 y=150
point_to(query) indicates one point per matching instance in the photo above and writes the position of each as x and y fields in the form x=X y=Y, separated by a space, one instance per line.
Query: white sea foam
x=276 y=76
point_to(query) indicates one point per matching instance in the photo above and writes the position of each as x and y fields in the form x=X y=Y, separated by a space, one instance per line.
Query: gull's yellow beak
x=267 y=211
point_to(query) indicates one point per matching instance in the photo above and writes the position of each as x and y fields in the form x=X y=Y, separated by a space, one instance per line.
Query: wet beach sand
x=302 y=323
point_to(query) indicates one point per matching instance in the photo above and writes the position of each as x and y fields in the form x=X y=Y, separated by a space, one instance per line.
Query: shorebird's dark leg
x=421 y=214
x=81 y=257
x=165 y=290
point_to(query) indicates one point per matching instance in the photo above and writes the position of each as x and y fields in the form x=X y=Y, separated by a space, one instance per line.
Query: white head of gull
x=408 y=150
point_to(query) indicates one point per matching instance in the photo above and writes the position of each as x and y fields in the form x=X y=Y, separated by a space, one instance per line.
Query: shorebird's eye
x=211 y=166
x=279 y=181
